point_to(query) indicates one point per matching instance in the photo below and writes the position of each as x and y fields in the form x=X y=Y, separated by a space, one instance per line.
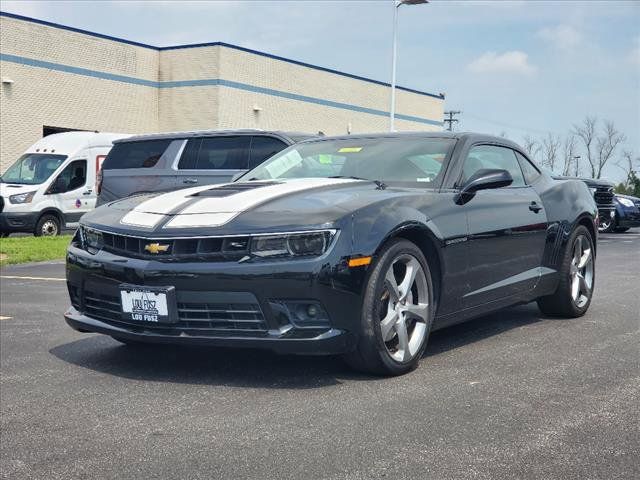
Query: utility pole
x=451 y=120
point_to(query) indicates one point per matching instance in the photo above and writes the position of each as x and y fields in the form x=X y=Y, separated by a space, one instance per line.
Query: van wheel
x=47 y=226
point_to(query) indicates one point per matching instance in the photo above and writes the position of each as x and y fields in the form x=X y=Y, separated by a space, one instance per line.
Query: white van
x=53 y=184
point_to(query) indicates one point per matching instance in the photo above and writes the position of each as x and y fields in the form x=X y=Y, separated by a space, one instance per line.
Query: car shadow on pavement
x=256 y=368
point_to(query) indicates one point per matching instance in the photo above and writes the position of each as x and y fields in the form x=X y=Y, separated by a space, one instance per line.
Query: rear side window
x=135 y=154
x=216 y=153
x=263 y=148
x=530 y=172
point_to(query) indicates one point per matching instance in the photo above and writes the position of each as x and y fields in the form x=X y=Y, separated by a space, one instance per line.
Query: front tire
x=397 y=312
x=48 y=226
x=577 y=278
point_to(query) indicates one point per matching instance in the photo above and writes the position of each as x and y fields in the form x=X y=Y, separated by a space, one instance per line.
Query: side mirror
x=484 y=179
x=59 y=186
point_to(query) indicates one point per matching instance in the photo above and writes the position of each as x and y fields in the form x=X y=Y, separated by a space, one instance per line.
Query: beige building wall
x=75 y=79
x=42 y=96
x=275 y=111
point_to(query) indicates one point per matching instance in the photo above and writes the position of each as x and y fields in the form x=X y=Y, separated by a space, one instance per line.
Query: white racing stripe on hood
x=215 y=211
x=151 y=212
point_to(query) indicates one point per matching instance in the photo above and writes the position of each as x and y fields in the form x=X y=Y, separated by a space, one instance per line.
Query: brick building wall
x=64 y=77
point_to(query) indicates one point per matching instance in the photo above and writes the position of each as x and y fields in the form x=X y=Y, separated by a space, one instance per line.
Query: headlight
x=302 y=244
x=22 y=197
x=91 y=239
x=625 y=201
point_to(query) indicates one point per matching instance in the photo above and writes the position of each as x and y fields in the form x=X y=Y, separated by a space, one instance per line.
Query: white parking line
x=4 y=318
x=49 y=279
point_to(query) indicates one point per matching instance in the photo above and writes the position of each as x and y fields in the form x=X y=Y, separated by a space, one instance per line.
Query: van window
x=144 y=154
x=33 y=168
x=216 y=153
x=263 y=148
x=74 y=176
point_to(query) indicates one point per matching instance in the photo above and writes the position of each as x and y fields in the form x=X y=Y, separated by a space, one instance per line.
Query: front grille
x=194 y=318
x=637 y=203
x=230 y=248
x=604 y=195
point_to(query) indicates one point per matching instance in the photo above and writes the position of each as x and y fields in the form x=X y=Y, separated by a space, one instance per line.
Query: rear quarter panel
x=567 y=203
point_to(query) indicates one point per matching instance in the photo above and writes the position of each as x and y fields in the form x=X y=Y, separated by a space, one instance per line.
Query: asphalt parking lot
x=511 y=395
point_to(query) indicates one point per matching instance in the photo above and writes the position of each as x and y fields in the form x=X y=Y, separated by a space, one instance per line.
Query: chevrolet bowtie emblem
x=156 y=248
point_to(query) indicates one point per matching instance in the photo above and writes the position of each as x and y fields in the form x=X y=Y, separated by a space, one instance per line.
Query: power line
x=451 y=120
x=511 y=126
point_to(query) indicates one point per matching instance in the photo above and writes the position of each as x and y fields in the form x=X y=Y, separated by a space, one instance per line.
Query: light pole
x=396 y=5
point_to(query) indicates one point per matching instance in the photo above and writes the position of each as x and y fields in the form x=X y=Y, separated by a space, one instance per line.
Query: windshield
x=403 y=159
x=33 y=168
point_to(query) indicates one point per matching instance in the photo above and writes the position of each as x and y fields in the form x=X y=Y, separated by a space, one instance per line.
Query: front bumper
x=628 y=218
x=18 y=221
x=331 y=341
x=229 y=287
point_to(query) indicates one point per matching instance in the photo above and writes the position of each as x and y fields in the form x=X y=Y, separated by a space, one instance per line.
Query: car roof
x=291 y=136
x=67 y=143
x=468 y=136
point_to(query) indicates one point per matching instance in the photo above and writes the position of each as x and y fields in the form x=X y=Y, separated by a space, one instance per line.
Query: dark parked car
x=170 y=161
x=359 y=245
x=627 y=213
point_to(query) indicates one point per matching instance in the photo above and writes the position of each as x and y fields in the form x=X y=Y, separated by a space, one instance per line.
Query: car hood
x=8 y=189
x=591 y=182
x=628 y=197
x=241 y=207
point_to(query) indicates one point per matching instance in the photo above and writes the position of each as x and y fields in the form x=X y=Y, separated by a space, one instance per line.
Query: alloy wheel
x=49 y=229
x=404 y=308
x=581 y=271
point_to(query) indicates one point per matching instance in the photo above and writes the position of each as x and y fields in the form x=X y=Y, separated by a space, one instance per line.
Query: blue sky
x=518 y=68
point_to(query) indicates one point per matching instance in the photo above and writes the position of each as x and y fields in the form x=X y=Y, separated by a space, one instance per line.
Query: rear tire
x=577 y=278
x=48 y=226
x=397 y=312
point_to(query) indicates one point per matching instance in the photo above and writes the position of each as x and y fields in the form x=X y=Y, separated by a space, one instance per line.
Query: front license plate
x=143 y=304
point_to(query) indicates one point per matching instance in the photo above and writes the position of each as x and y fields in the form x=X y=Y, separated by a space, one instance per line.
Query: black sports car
x=357 y=245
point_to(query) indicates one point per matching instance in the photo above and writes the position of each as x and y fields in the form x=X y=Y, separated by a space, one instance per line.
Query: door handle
x=534 y=207
x=190 y=180
x=87 y=192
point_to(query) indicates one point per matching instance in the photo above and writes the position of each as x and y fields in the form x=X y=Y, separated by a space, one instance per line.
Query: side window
x=531 y=173
x=189 y=157
x=263 y=148
x=491 y=157
x=144 y=154
x=224 y=153
x=74 y=176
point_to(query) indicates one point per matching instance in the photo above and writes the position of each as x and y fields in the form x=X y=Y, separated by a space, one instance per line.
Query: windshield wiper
x=381 y=185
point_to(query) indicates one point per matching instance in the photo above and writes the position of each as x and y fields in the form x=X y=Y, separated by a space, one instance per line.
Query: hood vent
x=232 y=189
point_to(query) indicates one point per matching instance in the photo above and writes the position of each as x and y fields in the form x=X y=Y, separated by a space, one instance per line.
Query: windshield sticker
x=283 y=164
x=325 y=159
x=349 y=149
